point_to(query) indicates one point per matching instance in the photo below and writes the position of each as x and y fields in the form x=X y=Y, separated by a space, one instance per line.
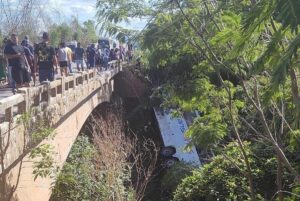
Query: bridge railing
x=45 y=94
x=42 y=95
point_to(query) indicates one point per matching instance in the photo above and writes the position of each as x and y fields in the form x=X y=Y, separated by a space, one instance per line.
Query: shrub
x=173 y=177
x=214 y=181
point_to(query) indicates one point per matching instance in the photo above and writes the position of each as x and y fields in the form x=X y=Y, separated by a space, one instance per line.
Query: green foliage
x=174 y=176
x=294 y=141
x=287 y=13
x=82 y=179
x=89 y=32
x=84 y=33
x=208 y=129
x=285 y=62
x=213 y=182
x=230 y=32
x=41 y=131
x=77 y=180
x=43 y=165
x=271 y=49
x=110 y=14
x=37 y=130
x=223 y=179
x=294 y=195
x=60 y=33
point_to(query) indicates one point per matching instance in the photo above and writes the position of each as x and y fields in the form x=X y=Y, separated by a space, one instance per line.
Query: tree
x=223 y=179
x=212 y=31
x=110 y=15
x=89 y=31
x=22 y=17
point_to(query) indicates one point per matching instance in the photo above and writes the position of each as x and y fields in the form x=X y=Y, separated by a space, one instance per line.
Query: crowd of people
x=27 y=61
x=100 y=56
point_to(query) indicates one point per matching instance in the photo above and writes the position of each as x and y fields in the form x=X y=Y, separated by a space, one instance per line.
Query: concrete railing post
x=25 y=105
x=8 y=114
x=63 y=89
x=48 y=92
x=60 y=87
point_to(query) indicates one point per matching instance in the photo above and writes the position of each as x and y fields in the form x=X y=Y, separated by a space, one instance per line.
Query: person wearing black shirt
x=79 y=54
x=45 y=59
x=16 y=59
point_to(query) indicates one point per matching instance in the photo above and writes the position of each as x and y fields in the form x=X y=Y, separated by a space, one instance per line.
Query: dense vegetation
x=237 y=62
x=107 y=162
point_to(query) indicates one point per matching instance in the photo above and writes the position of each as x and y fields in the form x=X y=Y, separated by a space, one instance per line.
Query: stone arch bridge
x=64 y=104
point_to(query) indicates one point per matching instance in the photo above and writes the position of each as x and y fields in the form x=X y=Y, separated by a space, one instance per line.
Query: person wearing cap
x=16 y=59
x=45 y=59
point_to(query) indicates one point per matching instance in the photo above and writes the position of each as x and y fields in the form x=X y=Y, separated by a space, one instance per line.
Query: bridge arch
x=66 y=104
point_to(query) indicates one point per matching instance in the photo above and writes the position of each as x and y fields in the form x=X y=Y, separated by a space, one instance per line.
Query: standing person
x=79 y=54
x=70 y=59
x=11 y=81
x=130 y=52
x=105 y=56
x=112 y=55
x=117 y=54
x=98 y=59
x=63 y=59
x=122 y=53
x=30 y=59
x=91 y=56
x=87 y=56
x=16 y=59
x=45 y=58
x=28 y=45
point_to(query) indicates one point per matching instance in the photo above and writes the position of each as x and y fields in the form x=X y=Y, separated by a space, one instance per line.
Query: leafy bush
x=173 y=177
x=76 y=181
x=218 y=180
x=224 y=178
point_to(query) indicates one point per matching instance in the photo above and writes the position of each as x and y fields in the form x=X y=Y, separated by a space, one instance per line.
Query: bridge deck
x=5 y=91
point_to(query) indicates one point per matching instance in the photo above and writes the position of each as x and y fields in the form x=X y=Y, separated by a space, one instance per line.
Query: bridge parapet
x=51 y=102
x=44 y=95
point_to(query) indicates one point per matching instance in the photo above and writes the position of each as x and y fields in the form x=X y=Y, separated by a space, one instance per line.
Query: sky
x=83 y=10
